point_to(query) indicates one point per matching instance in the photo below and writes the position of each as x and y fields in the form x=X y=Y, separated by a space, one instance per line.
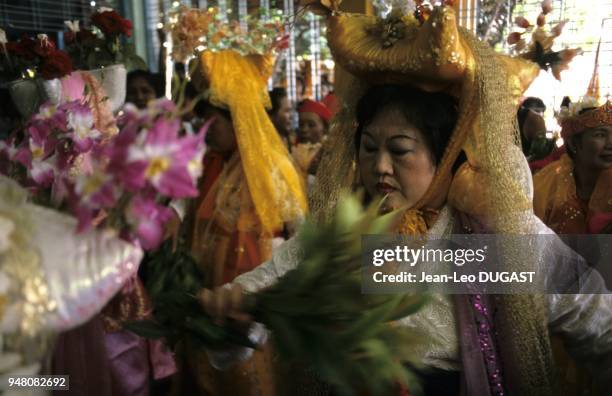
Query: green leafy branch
x=316 y=313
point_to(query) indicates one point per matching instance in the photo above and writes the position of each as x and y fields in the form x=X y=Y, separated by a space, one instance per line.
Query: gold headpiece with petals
x=427 y=53
x=588 y=112
x=539 y=48
x=431 y=52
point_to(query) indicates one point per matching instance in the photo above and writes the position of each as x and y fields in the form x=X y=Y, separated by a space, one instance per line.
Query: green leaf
x=383 y=223
x=204 y=328
x=348 y=213
x=147 y=329
x=409 y=305
x=368 y=323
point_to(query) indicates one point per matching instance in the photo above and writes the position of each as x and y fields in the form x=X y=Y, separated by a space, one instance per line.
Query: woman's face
x=140 y=92
x=533 y=126
x=312 y=128
x=594 y=149
x=394 y=160
x=282 y=117
x=220 y=136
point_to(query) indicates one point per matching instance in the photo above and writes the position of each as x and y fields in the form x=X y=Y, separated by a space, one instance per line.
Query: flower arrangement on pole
x=194 y=29
x=539 y=47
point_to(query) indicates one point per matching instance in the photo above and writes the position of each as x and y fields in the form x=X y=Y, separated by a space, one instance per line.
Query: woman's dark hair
x=566 y=101
x=203 y=106
x=434 y=114
x=276 y=96
x=526 y=106
x=190 y=90
x=7 y=106
x=155 y=80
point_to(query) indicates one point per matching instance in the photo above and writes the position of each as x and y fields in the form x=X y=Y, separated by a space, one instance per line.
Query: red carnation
x=57 y=65
x=281 y=43
x=24 y=48
x=111 y=23
x=44 y=48
x=85 y=35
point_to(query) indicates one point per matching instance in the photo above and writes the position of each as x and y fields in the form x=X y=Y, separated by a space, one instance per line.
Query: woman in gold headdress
x=249 y=193
x=574 y=194
x=490 y=345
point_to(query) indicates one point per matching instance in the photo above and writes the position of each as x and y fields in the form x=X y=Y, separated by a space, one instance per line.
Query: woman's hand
x=225 y=302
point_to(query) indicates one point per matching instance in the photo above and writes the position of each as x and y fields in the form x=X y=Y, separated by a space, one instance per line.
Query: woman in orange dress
x=250 y=195
x=573 y=195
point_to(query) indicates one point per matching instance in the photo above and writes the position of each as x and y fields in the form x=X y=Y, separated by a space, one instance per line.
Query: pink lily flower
x=43 y=171
x=97 y=189
x=81 y=123
x=7 y=151
x=161 y=158
x=147 y=219
x=91 y=193
x=52 y=116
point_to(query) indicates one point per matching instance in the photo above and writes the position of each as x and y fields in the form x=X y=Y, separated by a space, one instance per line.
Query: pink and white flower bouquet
x=124 y=181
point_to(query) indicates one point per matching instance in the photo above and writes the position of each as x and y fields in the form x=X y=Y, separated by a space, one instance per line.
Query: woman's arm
x=583 y=320
x=585 y=323
x=221 y=303
x=284 y=258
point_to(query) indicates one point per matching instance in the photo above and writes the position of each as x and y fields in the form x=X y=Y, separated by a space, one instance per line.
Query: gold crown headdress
x=430 y=51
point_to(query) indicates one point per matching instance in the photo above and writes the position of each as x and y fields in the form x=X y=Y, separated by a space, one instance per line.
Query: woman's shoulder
x=554 y=172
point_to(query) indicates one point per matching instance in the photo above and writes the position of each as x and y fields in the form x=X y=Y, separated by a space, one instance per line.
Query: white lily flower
x=73 y=26
x=104 y=9
x=3 y=39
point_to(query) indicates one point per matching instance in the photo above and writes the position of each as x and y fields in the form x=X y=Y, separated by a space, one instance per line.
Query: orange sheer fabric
x=227 y=238
x=556 y=203
x=558 y=206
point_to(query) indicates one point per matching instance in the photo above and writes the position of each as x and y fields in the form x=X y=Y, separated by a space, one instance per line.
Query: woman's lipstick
x=385 y=188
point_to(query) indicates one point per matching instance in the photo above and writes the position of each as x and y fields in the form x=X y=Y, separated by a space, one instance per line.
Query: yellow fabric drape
x=239 y=83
